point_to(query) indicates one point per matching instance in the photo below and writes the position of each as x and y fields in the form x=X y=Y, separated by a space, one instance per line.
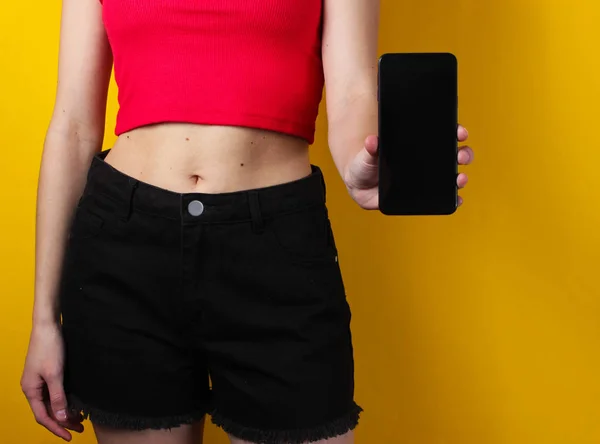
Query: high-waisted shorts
x=175 y=306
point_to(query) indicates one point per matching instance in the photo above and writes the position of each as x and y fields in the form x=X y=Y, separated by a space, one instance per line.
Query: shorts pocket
x=304 y=235
x=86 y=224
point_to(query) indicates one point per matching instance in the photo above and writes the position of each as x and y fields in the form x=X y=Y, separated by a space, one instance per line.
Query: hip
x=274 y=243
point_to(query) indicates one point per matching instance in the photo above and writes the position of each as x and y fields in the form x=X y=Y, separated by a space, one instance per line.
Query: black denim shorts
x=179 y=305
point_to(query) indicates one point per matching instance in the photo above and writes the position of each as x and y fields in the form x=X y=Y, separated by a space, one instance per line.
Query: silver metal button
x=195 y=208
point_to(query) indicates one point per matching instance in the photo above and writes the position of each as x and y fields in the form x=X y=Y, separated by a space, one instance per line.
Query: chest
x=226 y=19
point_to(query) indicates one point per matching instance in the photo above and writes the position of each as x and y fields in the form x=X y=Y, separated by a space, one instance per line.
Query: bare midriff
x=188 y=158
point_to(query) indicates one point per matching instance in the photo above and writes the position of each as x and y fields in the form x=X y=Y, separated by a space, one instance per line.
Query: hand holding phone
x=418 y=120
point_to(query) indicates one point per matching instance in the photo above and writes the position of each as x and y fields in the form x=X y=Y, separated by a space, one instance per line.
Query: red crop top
x=251 y=63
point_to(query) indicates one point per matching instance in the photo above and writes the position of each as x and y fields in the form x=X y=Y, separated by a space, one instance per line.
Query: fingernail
x=61 y=415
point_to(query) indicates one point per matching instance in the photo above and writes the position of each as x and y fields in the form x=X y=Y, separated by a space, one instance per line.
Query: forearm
x=65 y=160
x=348 y=130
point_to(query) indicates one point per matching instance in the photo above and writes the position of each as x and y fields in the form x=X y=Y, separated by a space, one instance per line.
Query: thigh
x=187 y=434
x=278 y=335
x=347 y=438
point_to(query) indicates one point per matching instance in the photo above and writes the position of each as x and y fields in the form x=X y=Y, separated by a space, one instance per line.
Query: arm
x=350 y=31
x=74 y=135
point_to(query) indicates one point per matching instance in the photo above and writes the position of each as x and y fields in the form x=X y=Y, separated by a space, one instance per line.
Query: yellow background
x=479 y=328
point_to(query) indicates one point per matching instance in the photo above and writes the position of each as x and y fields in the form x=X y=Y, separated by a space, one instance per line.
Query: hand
x=42 y=382
x=362 y=174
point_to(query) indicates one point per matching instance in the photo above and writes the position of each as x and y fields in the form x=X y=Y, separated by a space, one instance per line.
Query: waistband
x=129 y=194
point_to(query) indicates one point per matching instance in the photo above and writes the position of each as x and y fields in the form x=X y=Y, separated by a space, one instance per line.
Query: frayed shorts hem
x=120 y=421
x=130 y=422
x=337 y=427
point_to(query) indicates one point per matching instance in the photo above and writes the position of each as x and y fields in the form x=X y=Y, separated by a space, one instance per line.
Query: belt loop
x=128 y=203
x=257 y=220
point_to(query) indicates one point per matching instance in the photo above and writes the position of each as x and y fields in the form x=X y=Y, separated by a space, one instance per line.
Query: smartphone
x=418 y=121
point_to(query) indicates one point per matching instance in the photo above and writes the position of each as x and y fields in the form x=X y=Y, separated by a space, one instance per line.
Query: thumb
x=367 y=158
x=58 y=400
x=372 y=145
x=362 y=171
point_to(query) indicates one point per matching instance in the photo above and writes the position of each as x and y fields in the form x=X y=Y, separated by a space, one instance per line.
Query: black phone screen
x=418 y=116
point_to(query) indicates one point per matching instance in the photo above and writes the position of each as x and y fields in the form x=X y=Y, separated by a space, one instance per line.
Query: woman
x=199 y=245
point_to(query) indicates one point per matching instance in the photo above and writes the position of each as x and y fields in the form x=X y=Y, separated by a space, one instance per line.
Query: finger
x=44 y=419
x=460 y=201
x=465 y=155
x=57 y=398
x=73 y=422
x=462 y=180
x=462 y=133
x=371 y=145
x=76 y=427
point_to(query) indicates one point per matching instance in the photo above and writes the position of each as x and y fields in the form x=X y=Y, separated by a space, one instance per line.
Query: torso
x=210 y=159
x=247 y=118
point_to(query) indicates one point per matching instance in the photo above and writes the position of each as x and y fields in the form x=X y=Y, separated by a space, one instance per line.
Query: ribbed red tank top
x=251 y=63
